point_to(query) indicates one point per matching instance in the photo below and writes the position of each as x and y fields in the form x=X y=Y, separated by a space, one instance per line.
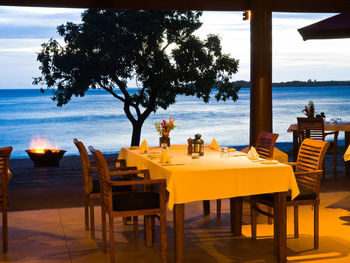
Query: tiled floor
x=58 y=235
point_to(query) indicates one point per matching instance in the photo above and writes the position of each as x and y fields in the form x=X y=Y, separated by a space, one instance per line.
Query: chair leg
x=206 y=207
x=296 y=221
x=316 y=226
x=86 y=210
x=136 y=226
x=148 y=231
x=153 y=226
x=269 y=219
x=144 y=228
x=111 y=238
x=125 y=220
x=163 y=235
x=4 y=228
x=104 y=231
x=253 y=216
x=335 y=161
x=218 y=208
x=92 y=219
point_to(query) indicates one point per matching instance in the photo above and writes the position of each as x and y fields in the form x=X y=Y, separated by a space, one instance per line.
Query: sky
x=23 y=30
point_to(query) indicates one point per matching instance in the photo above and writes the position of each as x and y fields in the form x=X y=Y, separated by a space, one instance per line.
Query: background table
x=211 y=177
x=342 y=126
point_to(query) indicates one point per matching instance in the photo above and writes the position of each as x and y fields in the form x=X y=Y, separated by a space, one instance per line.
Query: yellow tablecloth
x=211 y=177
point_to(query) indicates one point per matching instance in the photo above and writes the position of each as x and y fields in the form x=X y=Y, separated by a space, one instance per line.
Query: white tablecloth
x=211 y=177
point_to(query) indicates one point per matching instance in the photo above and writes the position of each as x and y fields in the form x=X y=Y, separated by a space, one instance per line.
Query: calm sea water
x=98 y=119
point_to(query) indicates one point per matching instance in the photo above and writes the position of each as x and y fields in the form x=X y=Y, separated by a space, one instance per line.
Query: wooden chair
x=5 y=176
x=313 y=128
x=148 y=203
x=92 y=186
x=265 y=145
x=308 y=171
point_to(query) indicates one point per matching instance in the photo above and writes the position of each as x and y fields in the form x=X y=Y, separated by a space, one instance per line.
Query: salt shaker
x=189 y=146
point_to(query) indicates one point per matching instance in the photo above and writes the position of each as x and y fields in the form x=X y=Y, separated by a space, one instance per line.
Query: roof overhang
x=331 y=28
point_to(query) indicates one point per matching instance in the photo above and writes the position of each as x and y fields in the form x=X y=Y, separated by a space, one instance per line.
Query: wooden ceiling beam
x=332 y=6
x=220 y=5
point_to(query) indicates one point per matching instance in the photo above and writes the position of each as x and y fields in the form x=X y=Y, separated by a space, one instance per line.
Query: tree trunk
x=136 y=133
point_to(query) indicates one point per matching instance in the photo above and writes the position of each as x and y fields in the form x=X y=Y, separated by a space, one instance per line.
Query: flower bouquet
x=163 y=128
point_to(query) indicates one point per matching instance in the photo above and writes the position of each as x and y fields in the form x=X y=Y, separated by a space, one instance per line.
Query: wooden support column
x=260 y=68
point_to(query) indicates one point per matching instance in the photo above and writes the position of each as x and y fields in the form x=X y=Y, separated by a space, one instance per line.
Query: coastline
x=30 y=114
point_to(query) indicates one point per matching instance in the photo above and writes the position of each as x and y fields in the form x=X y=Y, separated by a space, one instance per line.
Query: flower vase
x=164 y=140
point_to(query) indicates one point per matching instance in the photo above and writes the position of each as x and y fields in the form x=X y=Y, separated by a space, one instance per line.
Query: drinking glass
x=195 y=155
x=163 y=146
x=335 y=121
x=224 y=152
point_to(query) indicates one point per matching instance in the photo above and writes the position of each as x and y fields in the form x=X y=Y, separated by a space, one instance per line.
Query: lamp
x=246 y=15
x=198 y=145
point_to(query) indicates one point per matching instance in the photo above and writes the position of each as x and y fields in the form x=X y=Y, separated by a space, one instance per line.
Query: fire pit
x=43 y=154
x=49 y=157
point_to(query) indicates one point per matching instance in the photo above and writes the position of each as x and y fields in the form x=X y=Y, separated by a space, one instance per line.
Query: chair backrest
x=312 y=128
x=311 y=155
x=310 y=163
x=5 y=153
x=266 y=144
x=85 y=165
x=104 y=176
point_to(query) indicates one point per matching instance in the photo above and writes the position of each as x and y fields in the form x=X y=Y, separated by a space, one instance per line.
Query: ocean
x=98 y=119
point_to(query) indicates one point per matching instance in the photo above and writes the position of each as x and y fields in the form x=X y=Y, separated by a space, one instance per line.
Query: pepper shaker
x=189 y=146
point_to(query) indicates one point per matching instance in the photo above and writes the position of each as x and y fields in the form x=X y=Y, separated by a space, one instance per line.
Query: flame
x=41 y=145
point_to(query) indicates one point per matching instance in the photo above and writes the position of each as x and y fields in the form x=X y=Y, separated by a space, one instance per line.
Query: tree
x=157 y=49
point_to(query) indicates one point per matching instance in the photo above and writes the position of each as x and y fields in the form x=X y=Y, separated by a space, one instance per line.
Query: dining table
x=212 y=177
x=329 y=126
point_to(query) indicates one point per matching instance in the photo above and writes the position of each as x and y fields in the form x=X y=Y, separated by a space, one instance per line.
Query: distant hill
x=298 y=83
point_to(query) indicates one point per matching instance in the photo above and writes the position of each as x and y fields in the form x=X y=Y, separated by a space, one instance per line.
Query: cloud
x=23 y=30
x=21 y=45
x=304 y=16
x=37 y=17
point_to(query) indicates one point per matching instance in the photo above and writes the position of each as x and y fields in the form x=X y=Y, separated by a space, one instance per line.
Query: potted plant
x=309 y=110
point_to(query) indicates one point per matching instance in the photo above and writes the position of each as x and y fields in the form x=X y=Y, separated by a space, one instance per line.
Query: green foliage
x=156 y=48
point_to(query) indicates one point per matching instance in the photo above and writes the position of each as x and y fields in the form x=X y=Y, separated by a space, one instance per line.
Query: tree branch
x=122 y=88
x=150 y=107
x=115 y=95
x=126 y=100
x=141 y=95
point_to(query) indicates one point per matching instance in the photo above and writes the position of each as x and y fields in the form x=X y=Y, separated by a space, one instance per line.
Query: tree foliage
x=157 y=49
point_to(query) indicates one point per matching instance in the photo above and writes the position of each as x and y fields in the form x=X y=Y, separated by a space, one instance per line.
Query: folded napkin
x=164 y=156
x=269 y=161
x=214 y=145
x=252 y=154
x=144 y=147
x=347 y=154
